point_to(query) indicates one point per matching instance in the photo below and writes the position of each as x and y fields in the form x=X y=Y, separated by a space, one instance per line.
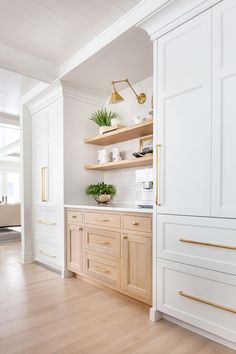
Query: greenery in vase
x=102 y=117
x=100 y=188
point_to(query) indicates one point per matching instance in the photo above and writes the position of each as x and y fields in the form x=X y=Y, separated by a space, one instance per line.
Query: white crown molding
x=124 y=23
x=82 y=94
x=172 y=15
x=9 y=119
x=22 y=63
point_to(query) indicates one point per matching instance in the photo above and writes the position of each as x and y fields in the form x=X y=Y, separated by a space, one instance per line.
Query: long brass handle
x=195 y=298
x=46 y=254
x=157 y=175
x=218 y=245
x=102 y=242
x=43 y=186
x=101 y=269
x=50 y=223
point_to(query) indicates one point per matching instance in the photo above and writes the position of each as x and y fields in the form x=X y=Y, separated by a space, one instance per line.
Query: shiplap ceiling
x=53 y=30
x=12 y=87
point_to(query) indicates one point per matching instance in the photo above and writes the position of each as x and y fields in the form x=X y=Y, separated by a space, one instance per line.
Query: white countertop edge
x=133 y=209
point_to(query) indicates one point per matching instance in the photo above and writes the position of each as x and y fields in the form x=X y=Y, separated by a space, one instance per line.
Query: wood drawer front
x=103 y=219
x=48 y=222
x=204 y=242
x=200 y=297
x=137 y=223
x=105 y=242
x=75 y=216
x=47 y=253
x=103 y=270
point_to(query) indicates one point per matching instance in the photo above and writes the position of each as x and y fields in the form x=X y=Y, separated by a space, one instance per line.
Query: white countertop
x=111 y=207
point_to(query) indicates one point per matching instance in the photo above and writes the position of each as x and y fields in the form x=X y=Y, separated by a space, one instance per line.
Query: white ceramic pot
x=103 y=199
x=115 y=121
x=102 y=129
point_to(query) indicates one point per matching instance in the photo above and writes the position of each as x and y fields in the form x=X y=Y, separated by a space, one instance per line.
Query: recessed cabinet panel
x=107 y=243
x=224 y=110
x=184 y=118
x=75 y=248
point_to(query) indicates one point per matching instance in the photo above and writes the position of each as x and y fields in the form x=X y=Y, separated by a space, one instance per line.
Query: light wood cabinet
x=136 y=266
x=113 y=249
x=74 y=248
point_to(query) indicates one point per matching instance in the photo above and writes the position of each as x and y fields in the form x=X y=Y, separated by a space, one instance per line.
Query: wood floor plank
x=41 y=313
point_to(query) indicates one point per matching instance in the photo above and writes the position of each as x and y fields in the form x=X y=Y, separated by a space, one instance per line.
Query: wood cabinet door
x=184 y=118
x=75 y=248
x=136 y=265
x=224 y=109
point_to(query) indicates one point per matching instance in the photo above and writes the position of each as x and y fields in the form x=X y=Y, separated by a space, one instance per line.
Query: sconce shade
x=115 y=97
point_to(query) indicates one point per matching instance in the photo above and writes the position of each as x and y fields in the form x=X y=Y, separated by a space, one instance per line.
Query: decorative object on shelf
x=139 y=119
x=116 y=156
x=115 y=121
x=104 y=156
x=101 y=192
x=116 y=97
x=112 y=128
x=102 y=118
x=146 y=144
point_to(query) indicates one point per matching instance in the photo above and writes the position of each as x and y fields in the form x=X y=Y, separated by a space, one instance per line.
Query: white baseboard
x=27 y=258
x=203 y=333
x=155 y=315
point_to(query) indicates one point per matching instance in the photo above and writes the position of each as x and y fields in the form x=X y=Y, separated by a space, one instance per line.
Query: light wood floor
x=42 y=313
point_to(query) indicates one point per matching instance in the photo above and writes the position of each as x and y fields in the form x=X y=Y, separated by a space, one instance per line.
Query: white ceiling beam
x=28 y=65
x=5 y=149
x=143 y=10
x=9 y=119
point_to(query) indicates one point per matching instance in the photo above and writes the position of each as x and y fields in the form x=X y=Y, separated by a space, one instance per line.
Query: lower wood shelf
x=141 y=161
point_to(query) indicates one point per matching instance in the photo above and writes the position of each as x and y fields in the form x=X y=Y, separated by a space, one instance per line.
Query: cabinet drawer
x=103 y=270
x=103 y=219
x=47 y=253
x=105 y=242
x=203 y=298
x=74 y=216
x=137 y=223
x=204 y=242
x=47 y=221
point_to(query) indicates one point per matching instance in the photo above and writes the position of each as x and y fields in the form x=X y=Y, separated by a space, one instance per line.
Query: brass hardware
x=74 y=216
x=125 y=236
x=101 y=269
x=103 y=220
x=218 y=245
x=50 y=223
x=116 y=97
x=135 y=223
x=102 y=242
x=80 y=228
x=43 y=184
x=157 y=175
x=195 y=298
x=47 y=255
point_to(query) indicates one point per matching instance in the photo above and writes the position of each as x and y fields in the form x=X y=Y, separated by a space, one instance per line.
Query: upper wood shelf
x=137 y=162
x=123 y=134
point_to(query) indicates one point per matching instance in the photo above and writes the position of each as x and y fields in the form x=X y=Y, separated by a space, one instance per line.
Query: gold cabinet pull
x=125 y=236
x=195 y=298
x=80 y=228
x=218 y=245
x=102 y=220
x=157 y=176
x=101 y=269
x=45 y=222
x=102 y=242
x=43 y=184
x=135 y=223
x=74 y=216
x=47 y=255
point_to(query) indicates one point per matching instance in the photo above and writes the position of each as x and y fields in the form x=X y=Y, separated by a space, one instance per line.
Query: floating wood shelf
x=123 y=134
x=141 y=161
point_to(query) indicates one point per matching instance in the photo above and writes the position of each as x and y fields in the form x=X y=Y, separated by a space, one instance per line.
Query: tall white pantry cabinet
x=195 y=133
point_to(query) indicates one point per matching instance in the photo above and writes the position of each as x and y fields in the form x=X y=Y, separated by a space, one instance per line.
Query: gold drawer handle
x=101 y=269
x=102 y=220
x=102 y=242
x=218 y=245
x=135 y=223
x=47 y=255
x=157 y=176
x=125 y=236
x=49 y=223
x=80 y=228
x=74 y=216
x=195 y=298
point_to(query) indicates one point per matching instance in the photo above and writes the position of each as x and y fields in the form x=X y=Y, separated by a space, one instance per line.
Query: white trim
x=9 y=119
x=161 y=23
x=155 y=315
x=200 y=331
x=27 y=258
x=22 y=63
x=82 y=94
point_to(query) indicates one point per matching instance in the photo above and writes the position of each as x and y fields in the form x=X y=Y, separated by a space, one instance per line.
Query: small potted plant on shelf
x=103 y=118
x=101 y=192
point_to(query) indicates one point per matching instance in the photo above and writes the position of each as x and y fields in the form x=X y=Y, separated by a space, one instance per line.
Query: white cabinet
x=184 y=118
x=224 y=109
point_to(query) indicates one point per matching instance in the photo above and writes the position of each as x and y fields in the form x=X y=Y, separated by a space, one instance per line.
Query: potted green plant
x=102 y=117
x=101 y=192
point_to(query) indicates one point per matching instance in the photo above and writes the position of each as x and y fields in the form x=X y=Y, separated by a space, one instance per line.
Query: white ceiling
x=128 y=56
x=54 y=30
x=12 y=87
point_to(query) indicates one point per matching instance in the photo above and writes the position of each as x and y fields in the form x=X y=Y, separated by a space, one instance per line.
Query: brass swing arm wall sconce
x=116 y=97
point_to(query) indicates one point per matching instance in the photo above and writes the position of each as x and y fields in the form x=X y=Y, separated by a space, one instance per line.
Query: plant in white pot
x=101 y=192
x=103 y=117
